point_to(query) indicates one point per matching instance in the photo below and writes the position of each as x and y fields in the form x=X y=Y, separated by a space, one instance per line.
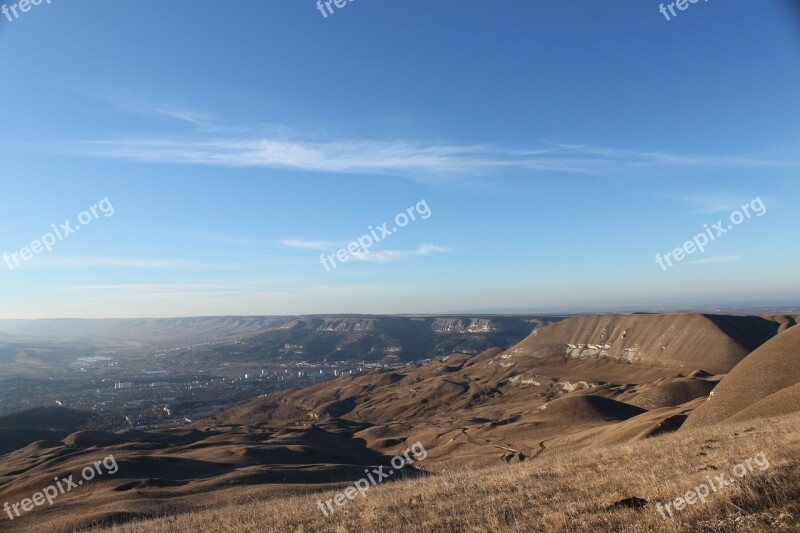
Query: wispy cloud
x=309 y=245
x=390 y=256
x=184 y=115
x=715 y=260
x=715 y=202
x=654 y=158
x=133 y=102
x=149 y=287
x=406 y=158
x=222 y=238
x=381 y=256
x=60 y=262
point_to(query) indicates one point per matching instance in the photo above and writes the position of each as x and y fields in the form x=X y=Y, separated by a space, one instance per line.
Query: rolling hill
x=765 y=383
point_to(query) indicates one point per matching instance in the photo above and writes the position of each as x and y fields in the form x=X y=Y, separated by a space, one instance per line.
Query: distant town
x=125 y=393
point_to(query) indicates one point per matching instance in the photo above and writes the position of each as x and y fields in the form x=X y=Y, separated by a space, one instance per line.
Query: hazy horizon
x=729 y=307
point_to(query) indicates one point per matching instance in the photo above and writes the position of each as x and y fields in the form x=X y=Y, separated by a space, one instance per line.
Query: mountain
x=714 y=343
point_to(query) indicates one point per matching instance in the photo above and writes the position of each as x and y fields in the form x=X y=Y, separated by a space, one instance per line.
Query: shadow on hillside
x=749 y=331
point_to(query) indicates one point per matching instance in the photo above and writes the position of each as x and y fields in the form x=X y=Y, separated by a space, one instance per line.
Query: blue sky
x=559 y=146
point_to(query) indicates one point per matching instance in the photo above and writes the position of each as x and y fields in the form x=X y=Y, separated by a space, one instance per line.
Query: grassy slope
x=569 y=492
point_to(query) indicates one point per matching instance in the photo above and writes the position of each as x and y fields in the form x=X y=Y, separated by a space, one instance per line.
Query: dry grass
x=568 y=492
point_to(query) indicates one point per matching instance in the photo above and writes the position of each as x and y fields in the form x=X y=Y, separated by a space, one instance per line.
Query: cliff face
x=465 y=325
x=347 y=325
x=383 y=338
x=443 y=325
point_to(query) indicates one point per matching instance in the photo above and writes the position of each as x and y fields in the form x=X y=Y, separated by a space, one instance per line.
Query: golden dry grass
x=566 y=492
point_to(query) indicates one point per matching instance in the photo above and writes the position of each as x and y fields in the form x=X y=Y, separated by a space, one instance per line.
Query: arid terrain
x=587 y=424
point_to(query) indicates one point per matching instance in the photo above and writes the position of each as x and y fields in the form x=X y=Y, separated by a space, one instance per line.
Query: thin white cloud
x=390 y=256
x=287 y=285
x=222 y=238
x=308 y=245
x=215 y=141
x=225 y=298
x=651 y=158
x=715 y=260
x=715 y=202
x=148 y=287
x=60 y=262
x=184 y=115
x=401 y=158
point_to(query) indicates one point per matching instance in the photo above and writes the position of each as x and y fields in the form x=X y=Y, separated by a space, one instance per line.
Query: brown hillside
x=581 y=492
x=770 y=369
x=784 y=401
x=714 y=343
x=520 y=402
